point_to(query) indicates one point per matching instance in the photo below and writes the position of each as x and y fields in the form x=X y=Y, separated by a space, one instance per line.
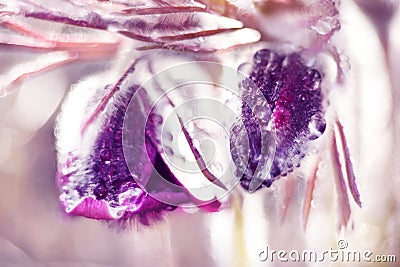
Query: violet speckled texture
x=101 y=186
x=293 y=92
x=98 y=180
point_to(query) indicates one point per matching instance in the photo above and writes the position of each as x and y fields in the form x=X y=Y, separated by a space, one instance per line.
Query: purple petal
x=293 y=91
x=176 y=26
x=94 y=177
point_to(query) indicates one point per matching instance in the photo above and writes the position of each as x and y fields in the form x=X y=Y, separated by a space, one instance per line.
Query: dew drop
x=245 y=69
x=273 y=188
x=326 y=25
x=105 y=155
x=100 y=192
x=314 y=203
x=245 y=184
x=261 y=110
x=190 y=209
x=262 y=56
x=245 y=86
x=344 y=57
x=345 y=65
x=234 y=152
x=170 y=208
x=312 y=79
x=316 y=126
x=310 y=62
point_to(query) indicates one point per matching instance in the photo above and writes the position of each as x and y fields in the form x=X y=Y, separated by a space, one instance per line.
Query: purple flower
x=110 y=151
x=292 y=110
x=96 y=178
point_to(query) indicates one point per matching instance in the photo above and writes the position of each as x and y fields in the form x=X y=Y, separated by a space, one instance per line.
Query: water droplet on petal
x=247 y=85
x=190 y=209
x=310 y=62
x=105 y=155
x=236 y=129
x=262 y=113
x=316 y=126
x=312 y=79
x=234 y=152
x=314 y=204
x=273 y=188
x=345 y=65
x=326 y=25
x=262 y=56
x=245 y=69
x=100 y=192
